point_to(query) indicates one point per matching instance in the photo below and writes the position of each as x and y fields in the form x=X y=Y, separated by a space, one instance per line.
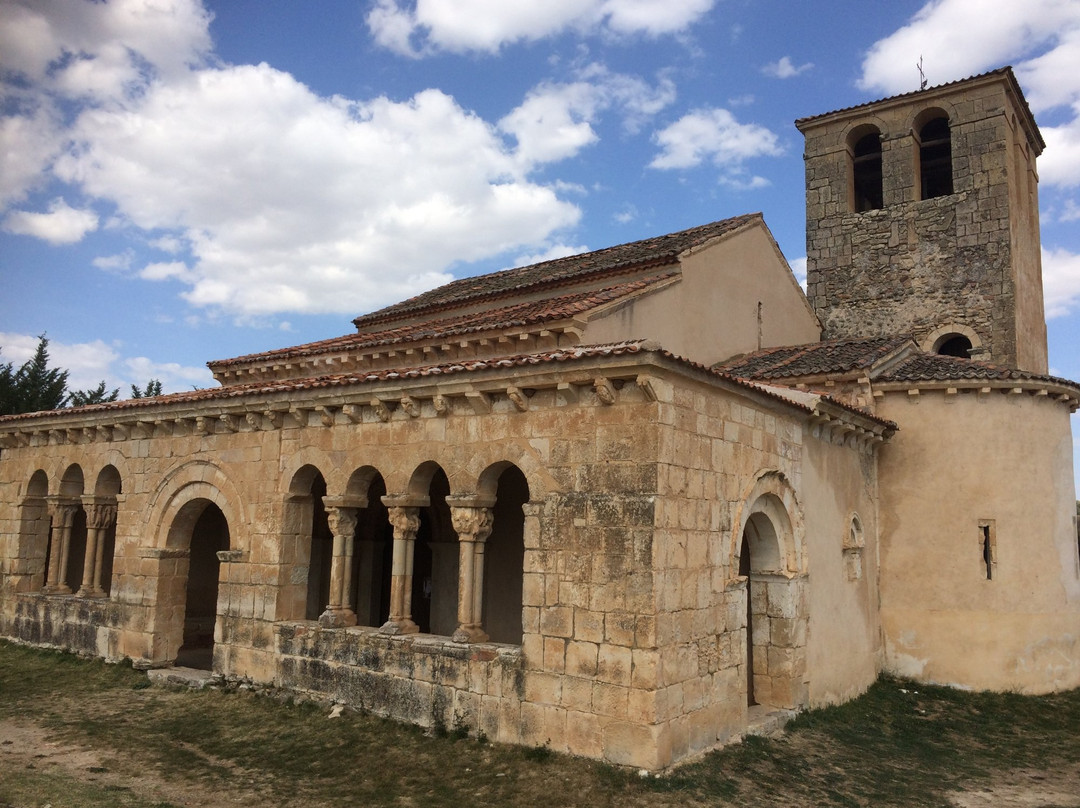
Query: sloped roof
x=513 y=316
x=832 y=357
x=925 y=367
x=1004 y=72
x=659 y=250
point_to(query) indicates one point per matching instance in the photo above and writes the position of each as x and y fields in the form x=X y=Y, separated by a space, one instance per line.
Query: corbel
x=1016 y=391
x=231 y=422
x=441 y=404
x=354 y=412
x=410 y=405
x=105 y=433
x=647 y=385
x=254 y=420
x=382 y=412
x=567 y=393
x=121 y=431
x=275 y=418
x=73 y=435
x=517 y=398
x=605 y=390
x=1041 y=392
x=326 y=415
x=480 y=402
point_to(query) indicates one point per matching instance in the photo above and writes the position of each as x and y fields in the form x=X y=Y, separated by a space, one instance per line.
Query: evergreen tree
x=153 y=388
x=80 y=398
x=35 y=386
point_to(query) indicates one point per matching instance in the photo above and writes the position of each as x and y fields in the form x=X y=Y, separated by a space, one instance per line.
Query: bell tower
x=922 y=218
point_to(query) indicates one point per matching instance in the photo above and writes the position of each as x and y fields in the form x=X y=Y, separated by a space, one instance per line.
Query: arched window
x=866 y=171
x=954 y=345
x=935 y=158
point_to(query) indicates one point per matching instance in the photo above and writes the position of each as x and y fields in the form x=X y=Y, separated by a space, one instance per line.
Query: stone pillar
x=339 y=611
x=100 y=516
x=406 y=522
x=473 y=526
x=63 y=518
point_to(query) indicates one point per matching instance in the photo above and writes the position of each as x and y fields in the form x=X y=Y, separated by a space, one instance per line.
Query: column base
x=337 y=618
x=470 y=634
x=61 y=589
x=394 y=627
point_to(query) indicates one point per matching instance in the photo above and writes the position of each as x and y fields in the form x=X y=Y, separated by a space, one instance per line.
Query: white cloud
x=714 y=135
x=62 y=224
x=798 y=266
x=279 y=199
x=117 y=263
x=1061 y=282
x=555 y=120
x=958 y=38
x=550 y=254
x=784 y=69
x=88 y=363
x=427 y=26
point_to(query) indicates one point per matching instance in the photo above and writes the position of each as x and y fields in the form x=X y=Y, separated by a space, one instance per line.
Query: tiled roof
x=512 y=316
x=659 y=250
x=935 y=368
x=819 y=358
x=1006 y=72
x=431 y=372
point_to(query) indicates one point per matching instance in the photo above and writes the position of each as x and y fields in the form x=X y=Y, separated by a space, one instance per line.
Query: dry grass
x=79 y=732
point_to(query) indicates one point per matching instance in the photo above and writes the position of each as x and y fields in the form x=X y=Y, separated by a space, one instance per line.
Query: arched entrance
x=770 y=562
x=207 y=533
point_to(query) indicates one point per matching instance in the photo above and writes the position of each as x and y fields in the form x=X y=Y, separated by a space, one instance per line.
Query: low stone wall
x=420 y=679
x=81 y=625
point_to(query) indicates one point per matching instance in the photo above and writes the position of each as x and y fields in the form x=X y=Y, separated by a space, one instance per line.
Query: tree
x=80 y=398
x=153 y=388
x=35 y=386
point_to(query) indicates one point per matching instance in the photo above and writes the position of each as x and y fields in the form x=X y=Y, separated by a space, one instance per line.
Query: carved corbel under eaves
x=354 y=412
x=605 y=391
x=441 y=404
x=410 y=406
x=378 y=406
x=480 y=402
x=231 y=422
x=326 y=415
x=254 y=420
x=517 y=398
x=567 y=393
x=275 y=418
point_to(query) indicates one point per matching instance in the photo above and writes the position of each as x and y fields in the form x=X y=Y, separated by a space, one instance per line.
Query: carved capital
x=472 y=524
x=63 y=513
x=342 y=521
x=405 y=521
x=101 y=515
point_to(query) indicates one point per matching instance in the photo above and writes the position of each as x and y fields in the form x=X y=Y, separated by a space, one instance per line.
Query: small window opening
x=935 y=158
x=989 y=550
x=955 y=345
x=866 y=170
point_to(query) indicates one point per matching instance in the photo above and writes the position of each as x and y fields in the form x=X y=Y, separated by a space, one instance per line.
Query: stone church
x=626 y=503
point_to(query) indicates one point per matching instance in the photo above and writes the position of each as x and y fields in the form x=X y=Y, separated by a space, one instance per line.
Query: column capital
x=405 y=521
x=342 y=521
x=472 y=523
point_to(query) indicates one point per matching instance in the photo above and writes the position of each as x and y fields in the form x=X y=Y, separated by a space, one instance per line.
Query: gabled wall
x=736 y=295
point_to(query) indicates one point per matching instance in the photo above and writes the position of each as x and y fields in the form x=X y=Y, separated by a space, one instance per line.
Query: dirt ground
x=26 y=745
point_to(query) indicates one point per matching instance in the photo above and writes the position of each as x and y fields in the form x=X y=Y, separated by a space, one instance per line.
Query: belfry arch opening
x=866 y=173
x=956 y=345
x=935 y=157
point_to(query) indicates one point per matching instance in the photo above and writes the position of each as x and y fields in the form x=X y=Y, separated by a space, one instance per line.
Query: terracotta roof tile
x=512 y=316
x=933 y=367
x=819 y=358
x=638 y=253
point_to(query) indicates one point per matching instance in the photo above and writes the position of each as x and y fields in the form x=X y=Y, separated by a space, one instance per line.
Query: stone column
x=63 y=518
x=473 y=526
x=100 y=516
x=406 y=522
x=339 y=611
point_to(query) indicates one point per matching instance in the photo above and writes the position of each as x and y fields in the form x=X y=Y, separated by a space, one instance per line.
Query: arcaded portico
x=624 y=503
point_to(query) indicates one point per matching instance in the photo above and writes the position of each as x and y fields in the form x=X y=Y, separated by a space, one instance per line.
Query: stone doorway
x=209 y=535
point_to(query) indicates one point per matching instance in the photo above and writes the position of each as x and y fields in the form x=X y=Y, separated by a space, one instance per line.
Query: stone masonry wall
x=915 y=265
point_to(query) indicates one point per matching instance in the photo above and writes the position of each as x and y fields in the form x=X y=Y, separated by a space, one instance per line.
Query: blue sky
x=183 y=181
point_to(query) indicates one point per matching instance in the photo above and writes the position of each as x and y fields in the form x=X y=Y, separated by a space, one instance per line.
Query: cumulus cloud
x=62 y=224
x=269 y=197
x=784 y=69
x=555 y=120
x=957 y=38
x=714 y=135
x=422 y=27
x=88 y=363
x=1061 y=282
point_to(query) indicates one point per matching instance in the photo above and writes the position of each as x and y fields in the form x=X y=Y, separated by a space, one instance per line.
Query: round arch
x=195 y=479
x=72 y=483
x=940 y=339
x=771 y=498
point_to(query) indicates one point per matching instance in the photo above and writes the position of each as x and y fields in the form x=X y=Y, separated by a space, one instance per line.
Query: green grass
x=900 y=744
